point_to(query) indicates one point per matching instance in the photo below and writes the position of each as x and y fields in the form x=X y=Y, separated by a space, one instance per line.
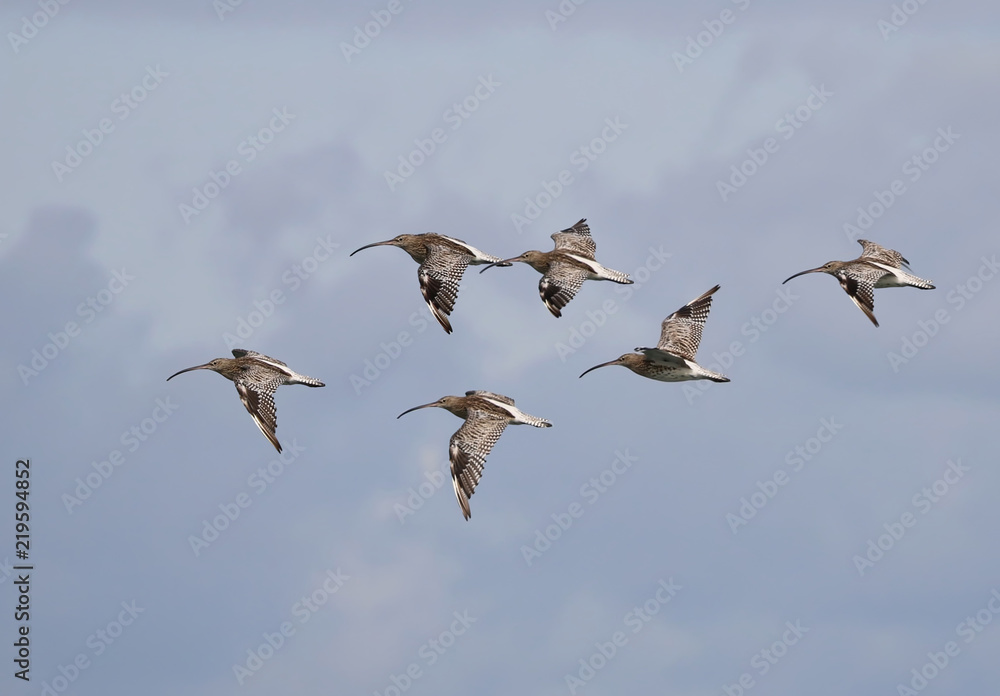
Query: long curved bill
x=610 y=362
x=811 y=270
x=368 y=246
x=196 y=367
x=415 y=408
x=505 y=262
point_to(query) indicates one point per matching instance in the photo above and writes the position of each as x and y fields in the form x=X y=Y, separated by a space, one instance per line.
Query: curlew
x=877 y=267
x=673 y=358
x=486 y=415
x=256 y=377
x=443 y=261
x=566 y=267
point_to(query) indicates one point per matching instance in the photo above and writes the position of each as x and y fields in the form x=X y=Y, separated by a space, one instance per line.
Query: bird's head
x=629 y=360
x=400 y=240
x=455 y=404
x=828 y=267
x=217 y=365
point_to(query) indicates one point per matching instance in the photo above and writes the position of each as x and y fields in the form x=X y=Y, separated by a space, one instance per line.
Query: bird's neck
x=541 y=264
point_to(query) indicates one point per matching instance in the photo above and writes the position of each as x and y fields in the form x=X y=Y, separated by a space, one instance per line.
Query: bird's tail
x=302 y=379
x=614 y=276
x=916 y=282
x=901 y=278
x=483 y=259
x=708 y=374
x=528 y=419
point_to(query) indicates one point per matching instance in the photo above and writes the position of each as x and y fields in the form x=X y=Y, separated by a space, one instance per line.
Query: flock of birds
x=443 y=261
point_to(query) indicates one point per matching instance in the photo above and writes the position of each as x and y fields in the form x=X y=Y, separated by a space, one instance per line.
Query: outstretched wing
x=265 y=361
x=439 y=275
x=560 y=284
x=241 y=353
x=680 y=333
x=491 y=395
x=576 y=240
x=875 y=252
x=469 y=447
x=859 y=284
x=257 y=394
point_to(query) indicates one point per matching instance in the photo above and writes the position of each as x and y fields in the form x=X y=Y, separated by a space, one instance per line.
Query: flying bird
x=486 y=415
x=566 y=267
x=443 y=261
x=256 y=377
x=673 y=358
x=877 y=267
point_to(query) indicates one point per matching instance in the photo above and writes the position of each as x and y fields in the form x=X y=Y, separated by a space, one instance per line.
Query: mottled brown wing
x=468 y=449
x=491 y=395
x=264 y=361
x=560 y=285
x=576 y=240
x=859 y=284
x=439 y=275
x=680 y=333
x=257 y=396
x=875 y=252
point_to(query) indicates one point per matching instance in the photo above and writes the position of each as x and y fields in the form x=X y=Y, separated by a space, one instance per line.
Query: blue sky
x=176 y=174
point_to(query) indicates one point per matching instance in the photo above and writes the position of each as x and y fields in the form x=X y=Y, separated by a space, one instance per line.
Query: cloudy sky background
x=335 y=505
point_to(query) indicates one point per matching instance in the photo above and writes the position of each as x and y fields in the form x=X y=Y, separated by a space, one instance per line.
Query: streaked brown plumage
x=673 y=358
x=486 y=416
x=443 y=261
x=877 y=267
x=256 y=377
x=566 y=267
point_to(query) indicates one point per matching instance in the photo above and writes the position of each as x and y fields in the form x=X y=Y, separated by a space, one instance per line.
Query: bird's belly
x=669 y=373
